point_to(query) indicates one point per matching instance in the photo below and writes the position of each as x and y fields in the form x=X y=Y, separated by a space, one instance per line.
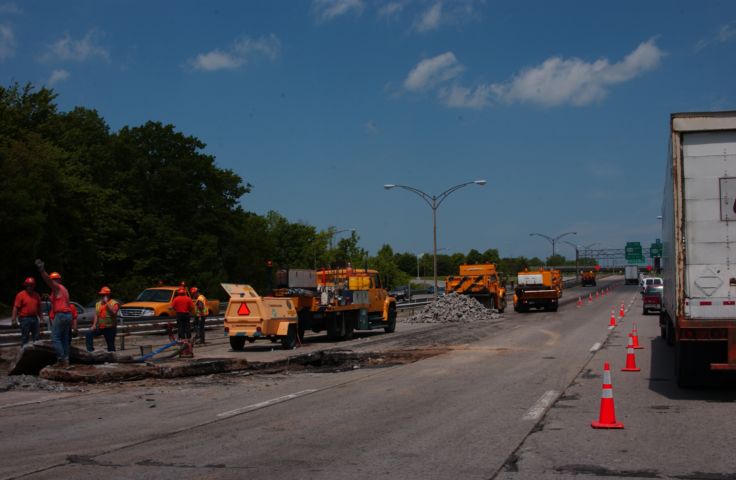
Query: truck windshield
x=155 y=295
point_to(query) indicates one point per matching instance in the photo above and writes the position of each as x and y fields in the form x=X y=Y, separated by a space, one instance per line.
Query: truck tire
x=237 y=343
x=288 y=341
x=391 y=324
x=499 y=304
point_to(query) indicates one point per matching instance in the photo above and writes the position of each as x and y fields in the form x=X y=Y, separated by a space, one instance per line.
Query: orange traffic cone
x=596 y=294
x=607 y=415
x=635 y=337
x=590 y=297
x=612 y=323
x=622 y=311
x=630 y=358
x=580 y=302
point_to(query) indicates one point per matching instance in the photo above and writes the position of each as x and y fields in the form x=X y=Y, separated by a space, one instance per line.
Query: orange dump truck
x=250 y=317
x=480 y=282
x=538 y=289
x=587 y=279
x=338 y=301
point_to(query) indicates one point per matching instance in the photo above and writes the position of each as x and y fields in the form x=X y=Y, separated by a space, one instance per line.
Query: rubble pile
x=454 y=308
x=30 y=382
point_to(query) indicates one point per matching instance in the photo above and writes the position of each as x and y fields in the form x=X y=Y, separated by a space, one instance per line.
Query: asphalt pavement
x=511 y=399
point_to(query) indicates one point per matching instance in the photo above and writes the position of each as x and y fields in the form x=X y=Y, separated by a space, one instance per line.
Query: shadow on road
x=662 y=378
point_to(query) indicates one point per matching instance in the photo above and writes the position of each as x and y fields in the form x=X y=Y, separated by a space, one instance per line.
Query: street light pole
x=577 y=259
x=434 y=202
x=552 y=240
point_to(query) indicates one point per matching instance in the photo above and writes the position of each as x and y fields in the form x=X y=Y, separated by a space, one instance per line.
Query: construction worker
x=27 y=308
x=200 y=313
x=63 y=324
x=105 y=321
x=183 y=307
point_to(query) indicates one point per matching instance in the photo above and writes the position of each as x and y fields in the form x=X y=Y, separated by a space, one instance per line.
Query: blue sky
x=562 y=106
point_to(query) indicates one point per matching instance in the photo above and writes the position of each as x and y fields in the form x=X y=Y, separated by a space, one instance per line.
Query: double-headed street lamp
x=434 y=201
x=552 y=240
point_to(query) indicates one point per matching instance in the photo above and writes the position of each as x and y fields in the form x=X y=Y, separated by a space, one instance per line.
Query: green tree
x=473 y=257
x=556 y=260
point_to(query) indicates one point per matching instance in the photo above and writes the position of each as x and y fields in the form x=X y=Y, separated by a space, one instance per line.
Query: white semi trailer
x=699 y=235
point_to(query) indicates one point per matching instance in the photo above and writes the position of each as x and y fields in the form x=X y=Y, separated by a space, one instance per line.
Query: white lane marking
x=597 y=345
x=611 y=327
x=541 y=405
x=273 y=401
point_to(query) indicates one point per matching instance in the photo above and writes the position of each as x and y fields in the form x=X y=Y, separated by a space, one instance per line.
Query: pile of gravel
x=454 y=308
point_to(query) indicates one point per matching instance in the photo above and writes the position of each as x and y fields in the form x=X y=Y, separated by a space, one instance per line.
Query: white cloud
x=7 y=42
x=9 y=8
x=67 y=48
x=326 y=10
x=458 y=96
x=433 y=71
x=240 y=53
x=429 y=19
x=573 y=81
x=726 y=33
x=57 y=76
x=391 y=9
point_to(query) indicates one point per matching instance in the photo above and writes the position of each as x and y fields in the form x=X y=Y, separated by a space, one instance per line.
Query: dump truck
x=156 y=302
x=250 y=317
x=537 y=289
x=339 y=301
x=587 y=279
x=480 y=282
x=698 y=315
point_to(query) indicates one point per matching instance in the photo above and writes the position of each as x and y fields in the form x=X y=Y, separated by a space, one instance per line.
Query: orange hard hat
x=181 y=291
x=104 y=291
x=55 y=276
x=30 y=281
x=193 y=290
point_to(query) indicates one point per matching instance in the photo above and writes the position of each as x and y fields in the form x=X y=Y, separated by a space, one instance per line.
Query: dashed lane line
x=267 y=403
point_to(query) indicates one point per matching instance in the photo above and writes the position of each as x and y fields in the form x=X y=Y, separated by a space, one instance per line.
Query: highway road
x=509 y=399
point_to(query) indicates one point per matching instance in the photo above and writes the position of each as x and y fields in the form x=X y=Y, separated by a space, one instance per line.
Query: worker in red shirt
x=61 y=328
x=183 y=306
x=27 y=308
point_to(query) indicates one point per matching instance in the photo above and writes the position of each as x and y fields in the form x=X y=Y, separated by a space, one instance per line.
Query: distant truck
x=156 y=302
x=698 y=312
x=249 y=317
x=338 y=301
x=587 y=279
x=631 y=274
x=538 y=289
x=480 y=282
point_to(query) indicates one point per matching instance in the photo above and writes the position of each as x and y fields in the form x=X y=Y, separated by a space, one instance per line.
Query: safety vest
x=105 y=319
x=201 y=311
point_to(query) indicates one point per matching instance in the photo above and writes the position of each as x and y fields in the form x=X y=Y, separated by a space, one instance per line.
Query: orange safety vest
x=203 y=311
x=104 y=318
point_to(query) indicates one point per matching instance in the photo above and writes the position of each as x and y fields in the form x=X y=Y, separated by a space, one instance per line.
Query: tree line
x=146 y=204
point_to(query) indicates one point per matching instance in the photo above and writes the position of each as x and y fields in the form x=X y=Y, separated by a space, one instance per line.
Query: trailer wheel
x=237 y=343
x=289 y=340
x=391 y=325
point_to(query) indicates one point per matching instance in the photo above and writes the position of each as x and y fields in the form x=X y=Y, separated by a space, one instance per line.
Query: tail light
x=243 y=309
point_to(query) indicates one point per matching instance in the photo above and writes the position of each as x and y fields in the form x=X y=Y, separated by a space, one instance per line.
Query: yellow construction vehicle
x=587 y=279
x=250 y=317
x=480 y=282
x=537 y=289
x=338 y=301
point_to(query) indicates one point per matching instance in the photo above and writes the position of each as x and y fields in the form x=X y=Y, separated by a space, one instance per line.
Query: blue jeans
x=61 y=335
x=28 y=328
x=108 y=333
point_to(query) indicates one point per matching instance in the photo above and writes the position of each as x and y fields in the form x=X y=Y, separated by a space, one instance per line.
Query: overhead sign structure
x=655 y=249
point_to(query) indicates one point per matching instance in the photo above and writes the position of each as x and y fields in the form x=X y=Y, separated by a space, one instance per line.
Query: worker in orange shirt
x=105 y=322
x=27 y=308
x=63 y=324
x=183 y=306
x=200 y=313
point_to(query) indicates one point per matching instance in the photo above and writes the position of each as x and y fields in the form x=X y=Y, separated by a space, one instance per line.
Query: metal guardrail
x=142 y=326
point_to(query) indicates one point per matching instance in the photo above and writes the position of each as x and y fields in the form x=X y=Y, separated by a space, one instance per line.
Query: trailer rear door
x=709 y=170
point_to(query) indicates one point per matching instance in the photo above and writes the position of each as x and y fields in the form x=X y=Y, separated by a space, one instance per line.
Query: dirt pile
x=454 y=308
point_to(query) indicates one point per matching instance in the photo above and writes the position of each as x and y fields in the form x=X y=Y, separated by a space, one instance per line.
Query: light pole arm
x=426 y=197
x=442 y=196
x=549 y=239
